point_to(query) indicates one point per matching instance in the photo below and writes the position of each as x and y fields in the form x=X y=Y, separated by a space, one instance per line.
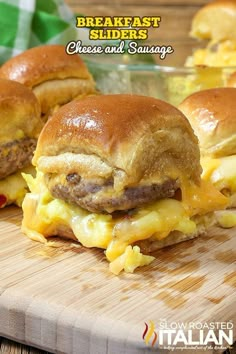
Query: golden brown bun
x=55 y=77
x=215 y=21
x=53 y=93
x=19 y=111
x=39 y=64
x=134 y=139
x=212 y=114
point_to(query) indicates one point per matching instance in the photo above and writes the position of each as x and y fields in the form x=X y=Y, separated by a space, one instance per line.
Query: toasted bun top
x=212 y=114
x=19 y=112
x=140 y=138
x=43 y=63
x=215 y=21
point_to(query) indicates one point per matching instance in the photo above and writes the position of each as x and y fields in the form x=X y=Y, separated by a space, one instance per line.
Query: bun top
x=212 y=114
x=19 y=112
x=43 y=63
x=215 y=21
x=141 y=137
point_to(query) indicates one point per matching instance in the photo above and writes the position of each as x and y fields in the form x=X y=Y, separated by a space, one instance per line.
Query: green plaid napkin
x=28 y=23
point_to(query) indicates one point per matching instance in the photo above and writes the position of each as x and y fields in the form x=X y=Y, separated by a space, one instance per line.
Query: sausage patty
x=97 y=196
x=15 y=155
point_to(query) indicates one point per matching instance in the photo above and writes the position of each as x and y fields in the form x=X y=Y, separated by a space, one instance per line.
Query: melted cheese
x=221 y=173
x=43 y=214
x=14 y=187
x=209 y=165
x=203 y=199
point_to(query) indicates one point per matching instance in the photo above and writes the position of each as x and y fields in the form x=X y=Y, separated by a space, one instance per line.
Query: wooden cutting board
x=64 y=300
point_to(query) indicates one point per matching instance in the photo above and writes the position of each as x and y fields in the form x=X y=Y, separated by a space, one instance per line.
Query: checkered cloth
x=28 y=23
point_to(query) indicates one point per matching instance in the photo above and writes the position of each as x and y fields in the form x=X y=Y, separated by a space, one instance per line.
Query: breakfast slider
x=20 y=127
x=121 y=173
x=55 y=77
x=215 y=23
x=212 y=114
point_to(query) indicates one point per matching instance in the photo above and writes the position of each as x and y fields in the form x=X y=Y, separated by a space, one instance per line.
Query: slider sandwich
x=215 y=22
x=20 y=127
x=55 y=77
x=212 y=114
x=121 y=173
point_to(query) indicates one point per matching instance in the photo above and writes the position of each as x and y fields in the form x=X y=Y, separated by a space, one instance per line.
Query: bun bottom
x=150 y=245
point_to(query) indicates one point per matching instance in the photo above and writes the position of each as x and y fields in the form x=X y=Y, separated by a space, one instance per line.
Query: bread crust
x=55 y=77
x=212 y=114
x=58 y=92
x=141 y=139
x=215 y=21
x=43 y=63
x=19 y=112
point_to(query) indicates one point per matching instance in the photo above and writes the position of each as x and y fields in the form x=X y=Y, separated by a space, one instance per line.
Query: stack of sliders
x=212 y=115
x=55 y=77
x=121 y=173
x=20 y=127
x=215 y=22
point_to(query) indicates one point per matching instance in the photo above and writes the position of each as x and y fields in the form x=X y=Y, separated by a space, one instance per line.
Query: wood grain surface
x=9 y=347
x=29 y=315
x=64 y=300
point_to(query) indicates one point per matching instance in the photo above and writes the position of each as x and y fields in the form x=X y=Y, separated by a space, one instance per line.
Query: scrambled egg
x=200 y=78
x=43 y=214
x=227 y=219
x=219 y=55
x=221 y=172
x=14 y=187
x=211 y=68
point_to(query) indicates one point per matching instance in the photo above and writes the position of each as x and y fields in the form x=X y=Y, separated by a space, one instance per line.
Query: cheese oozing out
x=14 y=188
x=221 y=172
x=118 y=236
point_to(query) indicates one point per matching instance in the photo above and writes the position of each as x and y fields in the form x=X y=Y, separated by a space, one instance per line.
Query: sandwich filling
x=221 y=172
x=120 y=234
x=220 y=54
x=15 y=155
x=98 y=195
x=14 y=188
